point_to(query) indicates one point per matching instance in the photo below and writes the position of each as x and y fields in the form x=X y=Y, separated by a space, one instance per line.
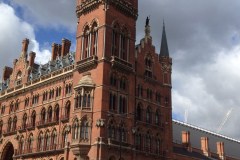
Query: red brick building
x=108 y=100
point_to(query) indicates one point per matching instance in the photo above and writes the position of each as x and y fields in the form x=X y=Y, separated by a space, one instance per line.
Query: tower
x=104 y=80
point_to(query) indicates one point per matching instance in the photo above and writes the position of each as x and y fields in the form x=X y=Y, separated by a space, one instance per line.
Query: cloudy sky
x=203 y=37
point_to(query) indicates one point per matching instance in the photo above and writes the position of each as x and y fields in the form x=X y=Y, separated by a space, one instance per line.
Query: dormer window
x=19 y=78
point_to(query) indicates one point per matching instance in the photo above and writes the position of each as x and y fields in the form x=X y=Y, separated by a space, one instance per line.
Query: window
x=124 y=44
x=30 y=143
x=115 y=40
x=33 y=119
x=113 y=80
x=21 y=145
x=40 y=142
x=139 y=112
x=26 y=104
x=86 y=43
x=139 y=91
x=14 y=127
x=58 y=91
x=17 y=105
x=64 y=138
x=84 y=130
x=148 y=67
x=122 y=134
x=123 y=83
x=49 y=116
x=56 y=111
x=84 y=99
x=68 y=89
x=94 y=38
x=148 y=115
x=54 y=139
x=157 y=117
x=112 y=101
x=138 y=141
x=122 y=104
x=11 y=110
x=3 y=109
x=47 y=141
x=75 y=129
x=149 y=94
x=158 y=97
x=1 y=127
x=158 y=144
x=43 y=116
x=45 y=96
x=51 y=94
x=35 y=99
x=9 y=128
x=111 y=130
x=67 y=109
x=24 y=121
x=19 y=78
x=148 y=142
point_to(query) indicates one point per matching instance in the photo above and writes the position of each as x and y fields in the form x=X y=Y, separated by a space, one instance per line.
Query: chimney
x=7 y=71
x=220 y=150
x=186 y=140
x=25 y=43
x=205 y=146
x=32 y=56
x=54 y=51
x=59 y=50
x=66 y=44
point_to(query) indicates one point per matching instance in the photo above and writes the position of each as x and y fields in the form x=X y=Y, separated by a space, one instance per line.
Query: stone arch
x=95 y=20
x=8 y=151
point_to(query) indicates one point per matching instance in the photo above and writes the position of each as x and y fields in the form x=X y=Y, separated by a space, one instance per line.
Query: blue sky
x=203 y=38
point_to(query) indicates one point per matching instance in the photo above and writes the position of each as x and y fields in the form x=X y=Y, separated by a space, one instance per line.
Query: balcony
x=30 y=126
x=47 y=123
x=22 y=128
x=121 y=64
x=64 y=118
x=52 y=149
x=87 y=64
x=9 y=132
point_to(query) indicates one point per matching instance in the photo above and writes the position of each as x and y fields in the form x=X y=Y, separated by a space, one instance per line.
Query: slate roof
x=164 y=45
x=41 y=70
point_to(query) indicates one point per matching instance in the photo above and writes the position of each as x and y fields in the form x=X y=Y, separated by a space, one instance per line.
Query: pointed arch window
x=122 y=104
x=75 y=129
x=84 y=130
x=1 y=127
x=112 y=101
x=148 y=142
x=56 y=113
x=157 y=117
x=115 y=40
x=148 y=67
x=49 y=114
x=43 y=116
x=86 y=43
x=111 y=130
x=9 y=129
x=24 y=121
x=84 y=98
x=158 y=146
x=16 y=105
x=67 y=109
x=30 y=143
x=40 y=142
x=47 y=141
x=64 y=138
x=18 y=78
x=148 y=115
x=113 y=80
x=138 y=141
x=33 y=119
x=124 y=44
x=122 y=134
x=54 y=140
x=11 y=107
x=14 y=127
x=139 y=112
x=94 y=38
x=21 y=145
x=140 y=90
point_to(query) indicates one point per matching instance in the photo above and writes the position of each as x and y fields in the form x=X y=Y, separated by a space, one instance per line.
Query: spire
x=147 y=28
x=164 y=46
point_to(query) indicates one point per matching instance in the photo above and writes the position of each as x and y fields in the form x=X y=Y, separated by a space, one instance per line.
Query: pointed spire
x=164 y=45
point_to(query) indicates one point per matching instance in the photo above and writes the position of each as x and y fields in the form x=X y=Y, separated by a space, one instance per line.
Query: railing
x=40 y=150
x=22 y=128
x=30 y=126
x=47 y=123
x=64 y=118
x=121 y=64
x=9 y=132
x=87 y=63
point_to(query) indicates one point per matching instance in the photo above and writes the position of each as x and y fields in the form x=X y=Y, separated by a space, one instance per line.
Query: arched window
x=78 y=100
x=113 y=80
x=56 y=111
x=157 y=120
x=115 y=40
x=124 y=42
x=24 y=121
x=30 y=143
x=84 y=130
x=111 y=130
x=94 y=39
x=123 y=83
x=138 y=140
x=122 y=134
x=14 y=127
x=139 y=112
x=11 y=107
x=40 y=142
x=122 y=104
x=112 y=101
x=54 y=139
x=49 y=117
x=47 y=141
x=21 y=145
x=64 y=138
x=9 y=129
x=86 y=43
x=158 y=146
x=75 y=129
x=17 y=105
x=33 y=119
x=148 y=142
x=148 y=115
x=67 y=109
x=43 y=116
x=19 y=78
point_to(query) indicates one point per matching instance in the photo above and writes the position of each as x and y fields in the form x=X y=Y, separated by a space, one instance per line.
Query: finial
x=147 y=21
x=147 y=28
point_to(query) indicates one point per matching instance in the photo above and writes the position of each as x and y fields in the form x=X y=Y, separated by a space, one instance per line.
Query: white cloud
x=13 y=30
